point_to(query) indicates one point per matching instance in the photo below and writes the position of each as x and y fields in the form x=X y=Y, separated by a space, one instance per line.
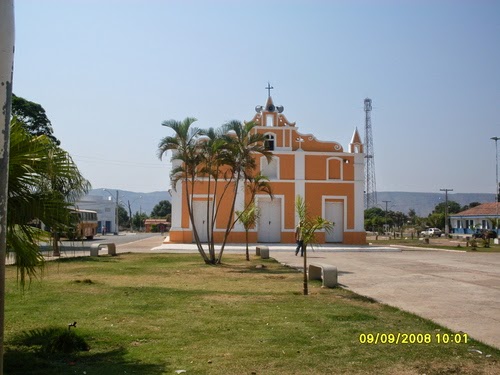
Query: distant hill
x=139 y=202
x=424 y=203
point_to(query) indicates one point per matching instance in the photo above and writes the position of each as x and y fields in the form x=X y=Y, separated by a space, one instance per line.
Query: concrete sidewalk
x=458 y=290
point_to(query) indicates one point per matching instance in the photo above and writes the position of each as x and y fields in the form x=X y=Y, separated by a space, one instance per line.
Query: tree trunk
x=246 y=240
x=55 y=244
x=306 y=290
x=6 y=73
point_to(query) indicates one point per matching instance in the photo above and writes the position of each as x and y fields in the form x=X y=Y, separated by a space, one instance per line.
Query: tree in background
x=34 y=118
x=162 y=209
x=453 y=208
x=412 y=216
x=44 y=183
x=138 y=220
x=123 y=218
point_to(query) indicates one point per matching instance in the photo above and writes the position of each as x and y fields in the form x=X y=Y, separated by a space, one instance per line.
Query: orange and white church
x=329 y=178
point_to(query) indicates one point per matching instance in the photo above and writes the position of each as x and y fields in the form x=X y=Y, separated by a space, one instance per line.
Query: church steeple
x=356 y=146
x=270 y=114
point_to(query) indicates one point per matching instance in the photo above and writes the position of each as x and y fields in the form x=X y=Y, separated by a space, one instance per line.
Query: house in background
x=329 y=178
x=156 y=225
x=484 y=216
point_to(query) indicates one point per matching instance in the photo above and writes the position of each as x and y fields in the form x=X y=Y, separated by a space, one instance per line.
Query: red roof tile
x=481 y=210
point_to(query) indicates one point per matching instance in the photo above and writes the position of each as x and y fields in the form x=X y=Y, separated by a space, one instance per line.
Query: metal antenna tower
x=370 y=185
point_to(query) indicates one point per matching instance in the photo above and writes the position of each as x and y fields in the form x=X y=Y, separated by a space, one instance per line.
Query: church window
x=270 y=120
x=269 y=142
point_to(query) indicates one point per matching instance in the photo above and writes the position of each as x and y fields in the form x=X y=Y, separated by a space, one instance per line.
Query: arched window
x=269 y=142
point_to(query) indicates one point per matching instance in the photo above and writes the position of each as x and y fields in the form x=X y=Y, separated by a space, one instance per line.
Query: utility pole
x=6 y=74
x=386 y=203
x=497 y=186
x=446 y=228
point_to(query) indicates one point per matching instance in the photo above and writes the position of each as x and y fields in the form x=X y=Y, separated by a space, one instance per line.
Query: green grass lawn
x=156 y=314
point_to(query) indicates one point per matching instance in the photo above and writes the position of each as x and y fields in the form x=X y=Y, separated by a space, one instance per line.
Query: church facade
x=329 y=178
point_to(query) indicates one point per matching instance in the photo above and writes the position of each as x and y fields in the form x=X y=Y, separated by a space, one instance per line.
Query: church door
x=200 y=219
x=334 y=212
x=269 y=220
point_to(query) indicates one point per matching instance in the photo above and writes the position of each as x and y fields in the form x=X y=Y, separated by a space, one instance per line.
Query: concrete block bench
x=325 y=272
x=262 y=251
x=94 y=248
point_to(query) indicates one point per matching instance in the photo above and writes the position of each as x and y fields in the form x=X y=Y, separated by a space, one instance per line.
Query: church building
x=329 y=178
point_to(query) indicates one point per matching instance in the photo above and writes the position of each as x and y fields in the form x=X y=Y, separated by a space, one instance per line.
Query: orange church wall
x=349 y=169
x=287 y=170
x=355 y=238
x=315 y=167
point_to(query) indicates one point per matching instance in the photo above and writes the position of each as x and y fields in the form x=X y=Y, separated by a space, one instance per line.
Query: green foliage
x=138 y=220
x=453 y=208
x=123 y=218
x=162 y=209
x=44 y=183
x=376 y=218
x=227 y=154
x=53 y=340
x=310 y=225
x=248 y=218
x=33 y=117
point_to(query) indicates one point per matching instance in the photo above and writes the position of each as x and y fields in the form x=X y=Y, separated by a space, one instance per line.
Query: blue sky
x=108 y=72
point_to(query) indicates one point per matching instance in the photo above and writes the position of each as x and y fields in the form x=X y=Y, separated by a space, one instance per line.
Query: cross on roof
x=269 y=88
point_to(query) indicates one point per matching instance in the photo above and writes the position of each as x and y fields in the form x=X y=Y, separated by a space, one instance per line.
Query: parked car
x=432 y=232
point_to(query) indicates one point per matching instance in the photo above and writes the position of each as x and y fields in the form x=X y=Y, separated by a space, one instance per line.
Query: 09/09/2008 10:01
x=413 y=338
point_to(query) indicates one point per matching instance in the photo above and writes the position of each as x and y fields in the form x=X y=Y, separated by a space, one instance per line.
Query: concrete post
x=6 y=73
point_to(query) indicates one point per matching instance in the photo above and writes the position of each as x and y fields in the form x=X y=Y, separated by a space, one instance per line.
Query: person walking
x=299 y=240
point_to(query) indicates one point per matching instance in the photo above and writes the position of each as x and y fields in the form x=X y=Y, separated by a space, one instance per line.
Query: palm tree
x=43 y=184
x=308 y=227
x=186 y=151
x=244 y=145
x=248 y=218
x=214 y=154
x=225 y=155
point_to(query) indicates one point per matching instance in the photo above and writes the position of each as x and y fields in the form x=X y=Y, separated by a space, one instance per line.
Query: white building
x=105 y=208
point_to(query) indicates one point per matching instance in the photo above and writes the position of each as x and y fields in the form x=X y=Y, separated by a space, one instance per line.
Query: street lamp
x=116 y=211
x=497 y=186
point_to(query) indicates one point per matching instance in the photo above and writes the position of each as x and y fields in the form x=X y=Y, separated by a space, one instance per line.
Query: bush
x=53 y=340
